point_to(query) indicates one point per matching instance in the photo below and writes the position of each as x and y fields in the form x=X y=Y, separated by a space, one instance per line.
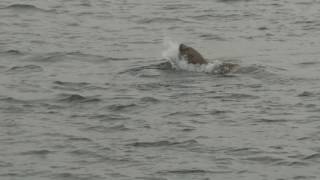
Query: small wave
x=151 y=86
x=152 y=178
x=76 y=55
x=102 y=117
x=65 y=136
x=185 y=171
x=160 y=20
x=85 y=4
x=183 y=113
x=308 y=63
x=13 y=52
x=265 y=159
x=305 y=22
x=50 y=57
x=219 y=112
x=230 y=1
x=5 y=164
x=306 y=94
x=75 y=86
x=163 y=143
x=313 y=157
x=153 y=144
x=160 y=66
x=217 y=16
x=25 y=69
x=73 y=139
x=243 y=151
x=2 y=67
x=108 y=117
x=181 y=6
x=194 y=171
x=25 y=7
x=116 y=59
x=22 y=6
x=150 y=99
x=68 y=175
x=235 y=96
x=212 y=37
x=265 y=120
x=203 y=16
x=262 y=28
x=54 y=57
x=104 y=129
x=71 y=83
x=297 y=163
x=76 y=98
x=252 y=69
x=11 y=100
x=37 y=152
x=120 y=107
x=83 y=152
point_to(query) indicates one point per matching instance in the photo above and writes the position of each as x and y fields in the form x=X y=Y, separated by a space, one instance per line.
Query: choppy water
x=82 y=96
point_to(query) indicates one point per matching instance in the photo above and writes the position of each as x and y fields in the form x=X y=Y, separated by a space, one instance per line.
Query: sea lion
x=194 y=57
x=191 y=55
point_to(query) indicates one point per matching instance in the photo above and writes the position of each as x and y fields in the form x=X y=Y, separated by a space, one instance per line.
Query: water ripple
x=26 y=7
x=265 y=159
x=312 y=157
x=194 y=171
x=163 y=20
x=164 y=143
x=76 y=98
x=104 y=129
x=150 y=99
x=43 y=152
x=25 y=69
x=76 y=86
x=120 y=107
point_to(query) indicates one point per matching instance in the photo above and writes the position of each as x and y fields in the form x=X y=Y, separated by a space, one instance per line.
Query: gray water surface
x=77 y=101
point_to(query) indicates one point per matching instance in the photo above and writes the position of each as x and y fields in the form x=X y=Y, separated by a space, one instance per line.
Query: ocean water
x=86 y=91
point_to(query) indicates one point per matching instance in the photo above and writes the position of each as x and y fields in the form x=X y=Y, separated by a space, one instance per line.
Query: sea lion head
x=183 y=48
x=191 y=55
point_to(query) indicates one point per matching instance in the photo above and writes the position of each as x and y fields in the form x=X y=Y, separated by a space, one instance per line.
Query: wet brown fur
x=191 y=55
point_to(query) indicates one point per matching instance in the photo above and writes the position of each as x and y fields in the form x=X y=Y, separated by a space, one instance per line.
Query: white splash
x=172 y=55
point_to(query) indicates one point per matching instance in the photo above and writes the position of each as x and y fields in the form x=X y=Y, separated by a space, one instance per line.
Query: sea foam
x=171 y=53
